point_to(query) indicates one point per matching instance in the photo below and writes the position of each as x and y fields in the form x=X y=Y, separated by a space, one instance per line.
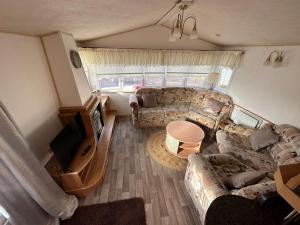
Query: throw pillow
x=263 y=138
x=149 y=100
x=244 y=179
x=283 y=156
x=212 y=106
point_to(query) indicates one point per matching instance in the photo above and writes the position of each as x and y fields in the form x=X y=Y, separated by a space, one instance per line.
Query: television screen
x=66 y=144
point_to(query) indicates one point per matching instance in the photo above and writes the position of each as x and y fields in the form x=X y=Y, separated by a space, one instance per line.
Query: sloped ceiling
x=255 y=22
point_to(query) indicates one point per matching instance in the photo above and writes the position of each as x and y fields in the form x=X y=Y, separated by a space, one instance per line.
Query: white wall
x=153 y=37
x=71 y=83
x=120 y=102
x=273 y=93
x=27 y=90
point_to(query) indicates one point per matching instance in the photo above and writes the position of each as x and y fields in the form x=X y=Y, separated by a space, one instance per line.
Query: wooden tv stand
x=86 y=171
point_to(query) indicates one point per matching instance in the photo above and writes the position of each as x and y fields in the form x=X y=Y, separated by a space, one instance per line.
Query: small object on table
x=183 y=138
x=237 y=210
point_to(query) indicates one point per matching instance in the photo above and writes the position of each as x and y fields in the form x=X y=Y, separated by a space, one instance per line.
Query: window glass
x=196 y=81
x=109 y=82
x=154 y=80
x=225 y=78
x=175 y=80
x=127 y=78
x=132 y=81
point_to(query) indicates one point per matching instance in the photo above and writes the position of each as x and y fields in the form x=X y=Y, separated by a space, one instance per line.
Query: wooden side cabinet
x=86 y=170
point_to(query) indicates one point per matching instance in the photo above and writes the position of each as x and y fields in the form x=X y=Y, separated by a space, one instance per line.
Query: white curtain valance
x=104 y=56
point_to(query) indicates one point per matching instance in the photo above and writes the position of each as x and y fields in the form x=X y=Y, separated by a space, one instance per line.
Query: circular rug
x=157 y=150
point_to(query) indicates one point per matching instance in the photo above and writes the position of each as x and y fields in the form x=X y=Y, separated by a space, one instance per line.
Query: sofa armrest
x=223 y=116
x=133 y=101
x=204 y=181
x=256 y=190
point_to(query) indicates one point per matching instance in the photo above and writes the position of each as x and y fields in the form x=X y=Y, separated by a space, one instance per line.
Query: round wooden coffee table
x=183 y=138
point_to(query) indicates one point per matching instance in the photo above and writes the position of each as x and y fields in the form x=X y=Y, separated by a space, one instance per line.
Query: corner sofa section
x=178 y=104
x=205 y=173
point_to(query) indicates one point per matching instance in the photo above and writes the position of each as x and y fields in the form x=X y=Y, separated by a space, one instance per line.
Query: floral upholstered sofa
x=206 y=174
x=179 y=104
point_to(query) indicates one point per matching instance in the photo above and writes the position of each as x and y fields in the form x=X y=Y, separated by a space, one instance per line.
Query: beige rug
x=157 y=150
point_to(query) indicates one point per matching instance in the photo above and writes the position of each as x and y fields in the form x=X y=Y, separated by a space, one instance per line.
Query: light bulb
x=194 y=34
x=176 y=33
x=172 y=38
x=268 y=61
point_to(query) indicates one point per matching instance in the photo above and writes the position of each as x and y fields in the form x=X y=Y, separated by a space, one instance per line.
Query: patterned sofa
x=178 y=104
x=205 y=173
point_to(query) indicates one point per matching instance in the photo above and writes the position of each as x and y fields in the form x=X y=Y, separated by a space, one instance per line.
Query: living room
x=149 y=112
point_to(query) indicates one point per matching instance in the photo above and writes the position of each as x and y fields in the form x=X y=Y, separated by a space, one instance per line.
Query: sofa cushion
x=294 y=160
x=239 y=129
x=256 y=190
x=239 y=147
x=289 y=134
x=243 y=179
x=212 y=106
x=176 y=95
x=262 y=138
x=175 y=112
x=280 y=147
x=203 y=119
x=149 y=100
x=284 y=156
x=200 y=110
x=226 y=165
x=151 y=117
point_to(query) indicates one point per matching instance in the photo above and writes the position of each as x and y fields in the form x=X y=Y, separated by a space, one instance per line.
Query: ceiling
x=255 y=22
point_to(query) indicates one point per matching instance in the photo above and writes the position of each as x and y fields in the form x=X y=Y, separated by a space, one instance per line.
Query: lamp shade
x=213 y=78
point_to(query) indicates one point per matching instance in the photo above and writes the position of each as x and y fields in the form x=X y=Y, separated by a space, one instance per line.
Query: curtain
x=101 y=56
x=27 y=192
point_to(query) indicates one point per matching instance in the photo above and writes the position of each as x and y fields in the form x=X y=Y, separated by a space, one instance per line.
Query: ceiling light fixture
x=178 y=24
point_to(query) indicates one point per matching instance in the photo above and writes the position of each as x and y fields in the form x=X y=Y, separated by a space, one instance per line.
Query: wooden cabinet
x=87 y=170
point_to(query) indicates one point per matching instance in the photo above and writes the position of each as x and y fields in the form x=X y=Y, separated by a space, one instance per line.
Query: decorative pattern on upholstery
x=239 y=129
x=256 y=190
x=176 y=95
x=175 y=105
x=134 y=104
x=289 y=134
x=202 y=183
x=239 y=147
x=225 y=165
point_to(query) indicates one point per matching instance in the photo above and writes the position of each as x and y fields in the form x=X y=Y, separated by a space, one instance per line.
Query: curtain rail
x=161 y=49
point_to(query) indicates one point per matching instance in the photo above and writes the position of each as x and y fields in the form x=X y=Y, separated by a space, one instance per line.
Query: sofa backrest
x=182 y=95
x=176 y=95
x=287 y=151
x=145 y=91
x=200 y=96
x=226 y=99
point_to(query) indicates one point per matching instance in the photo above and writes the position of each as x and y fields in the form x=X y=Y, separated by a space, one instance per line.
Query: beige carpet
x=157 y=150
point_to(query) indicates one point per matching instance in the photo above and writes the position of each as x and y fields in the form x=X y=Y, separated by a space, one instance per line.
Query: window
x=127 y=78
x=175 y=80
x=226 y=74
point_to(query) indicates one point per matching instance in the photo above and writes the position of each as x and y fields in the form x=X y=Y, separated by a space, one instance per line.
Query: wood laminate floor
x=132 y=173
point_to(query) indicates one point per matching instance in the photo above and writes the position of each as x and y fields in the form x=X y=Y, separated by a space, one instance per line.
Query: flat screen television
x=66 y=144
